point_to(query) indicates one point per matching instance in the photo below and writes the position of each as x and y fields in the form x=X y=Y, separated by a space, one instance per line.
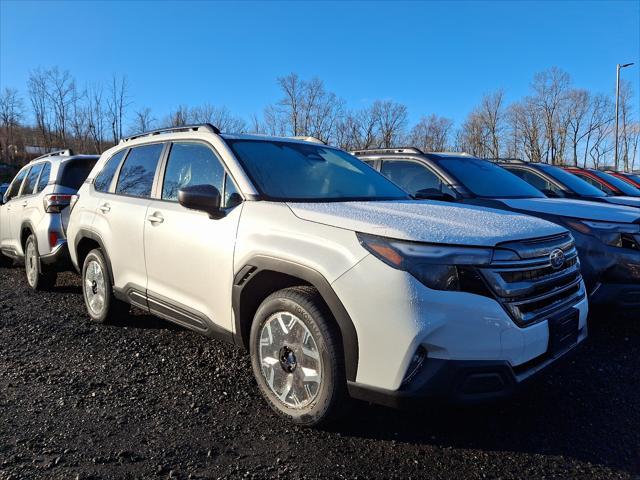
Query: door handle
x=155 y=218
x=105 y=208
x=24 y=204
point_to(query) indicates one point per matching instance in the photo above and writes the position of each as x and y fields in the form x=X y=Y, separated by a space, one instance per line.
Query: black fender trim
x=26 y=224
x=90 y=234
x=259 y=264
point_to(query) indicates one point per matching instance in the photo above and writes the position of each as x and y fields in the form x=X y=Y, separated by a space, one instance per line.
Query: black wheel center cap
x=94 y=287
x=288 y=360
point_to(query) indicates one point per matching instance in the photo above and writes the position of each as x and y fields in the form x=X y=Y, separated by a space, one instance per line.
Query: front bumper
x=617 y=295
x=611 y=274
x=464 y=382
x=450 y=326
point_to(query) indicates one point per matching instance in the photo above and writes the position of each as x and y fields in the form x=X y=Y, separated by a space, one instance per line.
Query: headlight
x=440 y=267
x=623 y=235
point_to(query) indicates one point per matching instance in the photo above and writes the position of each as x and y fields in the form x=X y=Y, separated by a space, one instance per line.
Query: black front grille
x=531 y=288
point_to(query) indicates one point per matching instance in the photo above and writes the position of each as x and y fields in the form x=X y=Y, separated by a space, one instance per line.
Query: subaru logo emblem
x=556 y=258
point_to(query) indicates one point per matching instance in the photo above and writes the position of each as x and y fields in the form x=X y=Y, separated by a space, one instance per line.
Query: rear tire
x=297 y=357
x=97 y=290
x=37 y=278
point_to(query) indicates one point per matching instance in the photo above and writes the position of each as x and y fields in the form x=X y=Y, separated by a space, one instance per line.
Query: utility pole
x=615 y=151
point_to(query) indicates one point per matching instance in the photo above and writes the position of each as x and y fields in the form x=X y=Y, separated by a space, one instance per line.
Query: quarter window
x=232 y=197
x=138 y=170
x=191 y=164
x=31 y=180
x=44 y=177
x=104 y=178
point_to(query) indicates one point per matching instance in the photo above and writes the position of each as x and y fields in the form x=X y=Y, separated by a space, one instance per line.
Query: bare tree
x=391 y=118
x=38 y=97
x=431 y=134
x=597 y=124
x=97 y=116
x=178 y=118
x=306 y=108
x=491 y=116
x=221 y=117
x=143 y=121
x=80 y=119
x=550 y=94
x=578 y=103
x=528 y=129
x=117 y=104
x=11 y=113
x=60 y=92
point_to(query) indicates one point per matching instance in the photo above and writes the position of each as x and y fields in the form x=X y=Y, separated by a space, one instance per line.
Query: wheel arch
x=26 y=229
x=262 y=275
x=87 y=240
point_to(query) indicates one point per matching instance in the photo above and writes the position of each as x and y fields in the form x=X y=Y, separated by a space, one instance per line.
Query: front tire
x=297 y=357
x=97 y=290
x=36 y=278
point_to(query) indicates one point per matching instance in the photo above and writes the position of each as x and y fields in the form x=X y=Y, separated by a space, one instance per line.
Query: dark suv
x=556 y=182
x=607 y=236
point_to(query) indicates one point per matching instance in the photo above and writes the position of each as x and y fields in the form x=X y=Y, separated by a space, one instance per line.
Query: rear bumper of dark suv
x=465 y=382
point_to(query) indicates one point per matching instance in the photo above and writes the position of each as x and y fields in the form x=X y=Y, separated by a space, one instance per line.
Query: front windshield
x=573 y=183
x=485 y=179
x=290 y=171
x=621 y=185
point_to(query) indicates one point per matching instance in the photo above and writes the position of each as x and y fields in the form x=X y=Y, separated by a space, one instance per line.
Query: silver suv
x=34 y=213
x=334 y=279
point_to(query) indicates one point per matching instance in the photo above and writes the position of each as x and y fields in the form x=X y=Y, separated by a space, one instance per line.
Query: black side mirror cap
x=204 y=198
x=433 y=194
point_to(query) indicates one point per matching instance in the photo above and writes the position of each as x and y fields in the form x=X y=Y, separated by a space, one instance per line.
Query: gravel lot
x=147 y=399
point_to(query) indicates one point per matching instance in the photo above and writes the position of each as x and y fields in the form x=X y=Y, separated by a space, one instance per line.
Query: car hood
x=629 y=201
x=427 y=221
x=574 y=209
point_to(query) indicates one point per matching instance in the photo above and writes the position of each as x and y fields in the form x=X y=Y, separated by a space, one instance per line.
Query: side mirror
x=204 y=198
x=433 y=194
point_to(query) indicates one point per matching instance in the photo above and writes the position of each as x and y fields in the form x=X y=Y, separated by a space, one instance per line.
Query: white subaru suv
x=34 y=213
x=335 y=280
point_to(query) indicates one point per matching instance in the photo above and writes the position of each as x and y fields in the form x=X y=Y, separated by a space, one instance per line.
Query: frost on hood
x=425 y=221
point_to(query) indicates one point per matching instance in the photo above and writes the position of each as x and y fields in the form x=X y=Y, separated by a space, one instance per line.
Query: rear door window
x=31 y=180
x=413 y=176
x=137 y=172
x=537 y=181
x=75 y=172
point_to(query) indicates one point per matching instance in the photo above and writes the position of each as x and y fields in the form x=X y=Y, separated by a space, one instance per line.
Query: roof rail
x=307 y=138
x=183 y=128
x=67 y=152
x=374 y=151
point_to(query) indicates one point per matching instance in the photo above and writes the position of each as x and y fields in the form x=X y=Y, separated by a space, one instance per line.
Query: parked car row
x=389 y=275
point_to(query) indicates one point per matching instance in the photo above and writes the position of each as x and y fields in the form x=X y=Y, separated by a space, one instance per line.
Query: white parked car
x=336 y=281
x=34 y=213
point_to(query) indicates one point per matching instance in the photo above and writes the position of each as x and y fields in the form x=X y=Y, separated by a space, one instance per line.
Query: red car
x=633 y=179
x=607 y=183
